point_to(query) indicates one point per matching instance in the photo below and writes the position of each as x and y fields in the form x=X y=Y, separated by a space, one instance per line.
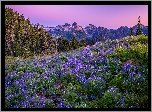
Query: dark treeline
x=63 y=44
x=24 y=39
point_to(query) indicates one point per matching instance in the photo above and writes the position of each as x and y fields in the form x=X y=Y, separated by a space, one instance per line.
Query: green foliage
x=140 y=52
x=24 y=40
x=94 y=88
x=109 y=99
x=142 y=39
x=116 y=81
x=129 y=99
x=63 y=45
x=87 y=73
x=122 y=54
x=49 y=104
x=74 y=43
x=70 y=94
x=137 y=51
x=142 y=100
x=82 y=43
x=93 y=104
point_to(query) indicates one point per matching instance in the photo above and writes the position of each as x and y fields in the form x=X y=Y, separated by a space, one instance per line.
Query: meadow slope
x=113 y=74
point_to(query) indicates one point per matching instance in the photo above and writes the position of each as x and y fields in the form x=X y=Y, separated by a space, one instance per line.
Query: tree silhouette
x=131 y=31
x=138 y=31
x=74 y=43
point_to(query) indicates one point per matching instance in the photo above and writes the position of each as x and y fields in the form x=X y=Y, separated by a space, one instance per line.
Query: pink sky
x=108 y=16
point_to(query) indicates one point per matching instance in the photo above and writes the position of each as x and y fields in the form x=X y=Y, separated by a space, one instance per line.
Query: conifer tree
x=66 y=44
x=23 y=39
x=138 y=31
x=131 y=31
x=63 y=44
x=74 y=43
x=59 y=44
x=82 y=43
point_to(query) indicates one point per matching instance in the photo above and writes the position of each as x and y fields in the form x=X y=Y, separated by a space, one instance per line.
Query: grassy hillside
x=113 y=74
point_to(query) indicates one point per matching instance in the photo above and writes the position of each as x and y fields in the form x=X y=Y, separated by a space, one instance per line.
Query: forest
x=23 y=39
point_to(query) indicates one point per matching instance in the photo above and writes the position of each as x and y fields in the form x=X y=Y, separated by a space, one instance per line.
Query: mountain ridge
x=91 y=32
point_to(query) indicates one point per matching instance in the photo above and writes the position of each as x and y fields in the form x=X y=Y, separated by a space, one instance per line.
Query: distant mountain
x=91 y=32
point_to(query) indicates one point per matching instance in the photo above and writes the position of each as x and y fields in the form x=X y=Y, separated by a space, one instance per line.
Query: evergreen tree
x=70 y=45
x=131 y=31
x=74 y=43
x=59 y=44
x=53 y=47
x=138 y=32
x=82 y=43
x=23 y=39
x=66 y=44
x=63 y=45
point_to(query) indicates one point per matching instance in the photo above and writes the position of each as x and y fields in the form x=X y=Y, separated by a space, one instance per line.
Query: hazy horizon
x=108 y=16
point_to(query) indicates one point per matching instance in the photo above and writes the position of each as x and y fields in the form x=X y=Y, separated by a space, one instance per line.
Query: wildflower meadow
x=113 y=74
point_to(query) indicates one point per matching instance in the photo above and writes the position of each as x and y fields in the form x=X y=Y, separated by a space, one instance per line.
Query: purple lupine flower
x=139 y=74
x=138 y=105
x=128 y=65
x=131 y=106
x=35 y=104
x=24 y=104
x=124 y=81
x=143 y=75
x=68 y=106
x=104 y=84
x=17 y=82
x=135 y=68
x=67 y=91
x=101 y=94
x=132 y=74
x=129 y=76
x=127 y=92
x=13 y=106
x=8 y=83
x=61 y=105
x=122 y=105
x=85 y=98
x=85 y=82
x=135 y=79
x=38 y=79
x=123 y=70
x=22 y=89
x=115 y=59
x=92 y=97
x=123 y=99
x=45 y=77
x=109 y=90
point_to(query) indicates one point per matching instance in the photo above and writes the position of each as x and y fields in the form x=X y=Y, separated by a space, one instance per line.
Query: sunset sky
x=108 y=16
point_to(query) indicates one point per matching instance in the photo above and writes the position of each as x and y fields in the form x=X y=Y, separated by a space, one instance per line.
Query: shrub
x=109 y=99
x=117 y=81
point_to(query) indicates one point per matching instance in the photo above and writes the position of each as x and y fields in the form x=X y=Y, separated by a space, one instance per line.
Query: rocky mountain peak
x=92 y=32
x=74 y=24
x=66 y=24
